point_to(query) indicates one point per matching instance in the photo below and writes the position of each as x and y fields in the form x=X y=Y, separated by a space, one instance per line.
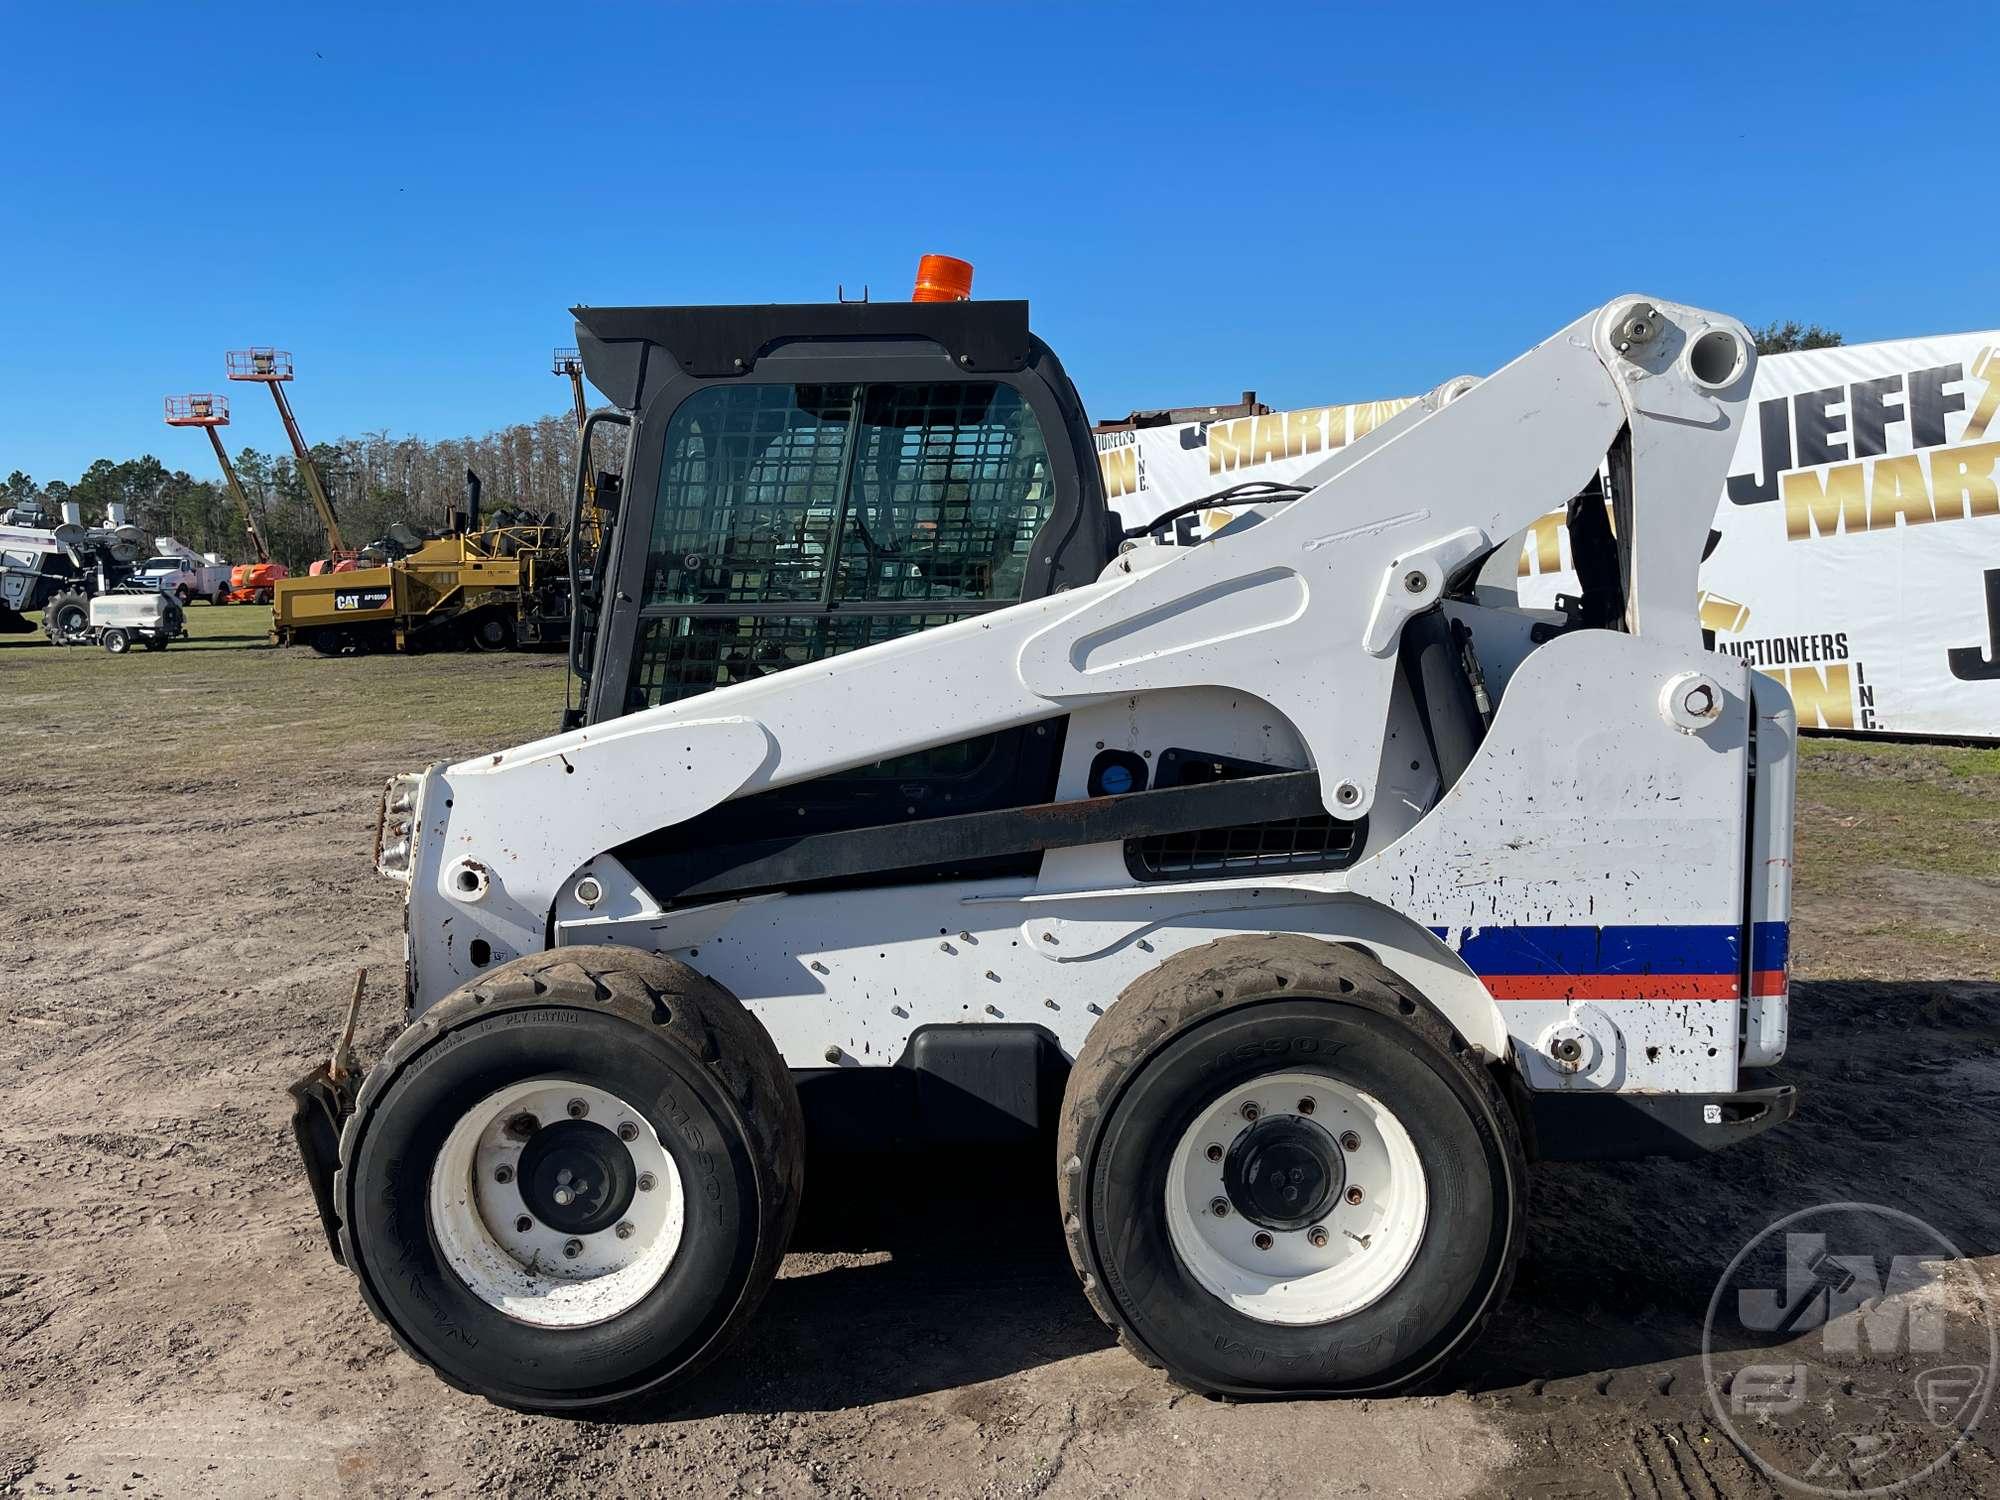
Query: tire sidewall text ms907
x=1213 y=1020
x=678 y=1050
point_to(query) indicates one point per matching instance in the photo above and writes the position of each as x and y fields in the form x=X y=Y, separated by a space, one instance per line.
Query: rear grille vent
x=1318 y=841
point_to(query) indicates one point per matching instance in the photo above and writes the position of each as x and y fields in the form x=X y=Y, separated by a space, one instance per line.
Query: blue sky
x=1322 y=203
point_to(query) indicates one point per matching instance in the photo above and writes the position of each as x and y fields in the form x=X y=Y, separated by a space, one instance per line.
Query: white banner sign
x=1859 y=551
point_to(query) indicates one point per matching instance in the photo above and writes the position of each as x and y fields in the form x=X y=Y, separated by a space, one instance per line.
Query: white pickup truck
x=185 y=574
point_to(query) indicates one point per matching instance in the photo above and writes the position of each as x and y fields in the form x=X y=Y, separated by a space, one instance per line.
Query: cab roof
x=717 y=342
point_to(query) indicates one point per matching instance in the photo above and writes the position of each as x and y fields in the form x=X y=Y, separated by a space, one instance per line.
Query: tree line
x=374 y=481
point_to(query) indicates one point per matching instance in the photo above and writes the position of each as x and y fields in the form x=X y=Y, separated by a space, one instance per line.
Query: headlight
x=396 y=826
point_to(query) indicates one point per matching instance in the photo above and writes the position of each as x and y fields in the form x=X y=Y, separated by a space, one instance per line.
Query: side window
x=951 y=483
x=749 y=479
x=795 y=522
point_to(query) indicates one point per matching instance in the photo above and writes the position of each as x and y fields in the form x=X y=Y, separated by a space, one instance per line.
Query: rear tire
x=156 y=643
x=221 y=598
x=1400 y=1181
x=508 y=1290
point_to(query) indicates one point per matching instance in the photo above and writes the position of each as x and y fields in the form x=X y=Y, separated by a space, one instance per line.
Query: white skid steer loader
x=1300 y=884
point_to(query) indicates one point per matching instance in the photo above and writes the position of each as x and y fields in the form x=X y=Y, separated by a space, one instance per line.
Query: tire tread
x=701 y=1017
x=1203 y=981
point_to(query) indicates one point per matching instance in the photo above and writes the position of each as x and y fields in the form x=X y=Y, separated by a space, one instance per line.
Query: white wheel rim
x=1290 y=1279
x=477 y=1211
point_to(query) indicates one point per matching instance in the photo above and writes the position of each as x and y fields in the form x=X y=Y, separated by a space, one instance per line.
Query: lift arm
x=568 y=363
x=308 y=471
x=242 y=500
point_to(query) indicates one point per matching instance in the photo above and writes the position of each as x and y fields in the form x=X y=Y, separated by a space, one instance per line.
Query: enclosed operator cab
x=801 y=481
x=804 y=480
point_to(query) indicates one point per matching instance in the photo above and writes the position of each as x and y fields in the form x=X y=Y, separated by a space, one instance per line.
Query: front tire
x=492 y=632
x=641 y=1090
x=331 y=640
x=1281 y=1172
x=116 y=641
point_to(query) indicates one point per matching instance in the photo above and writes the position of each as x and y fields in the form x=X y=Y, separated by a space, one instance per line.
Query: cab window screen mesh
x=951 y=483
x=785 y=511
x=748 y=485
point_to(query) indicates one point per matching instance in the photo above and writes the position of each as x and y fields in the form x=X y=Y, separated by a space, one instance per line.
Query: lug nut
x=1249 y=1110
x=1350 y=1141
x=628 y=1131
x=523 y=1224
x=1215 y=1153
x=1307 y=1106
x=1317 y=1236
x=578 y=1109
x=1263 y=1240
x=1219 y=1207
x=523 y=1125
x=503 y=1174
x=623 y=1231
x=1354 y=1195
x=645 y=1182
x=572 y=1249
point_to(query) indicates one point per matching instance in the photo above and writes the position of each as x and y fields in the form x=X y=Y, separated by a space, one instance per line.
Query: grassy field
x=1898 y=872
x=237 y=702
x=1926 y=807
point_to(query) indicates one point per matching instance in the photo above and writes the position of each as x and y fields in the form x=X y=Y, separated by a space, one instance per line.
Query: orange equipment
x=250 y=583
x=943 y=278
x=272 y=368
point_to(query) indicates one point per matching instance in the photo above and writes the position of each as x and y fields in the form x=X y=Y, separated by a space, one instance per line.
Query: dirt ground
x=187 y=894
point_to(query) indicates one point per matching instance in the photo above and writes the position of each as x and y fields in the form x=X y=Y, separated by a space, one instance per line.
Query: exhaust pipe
x=471 y=501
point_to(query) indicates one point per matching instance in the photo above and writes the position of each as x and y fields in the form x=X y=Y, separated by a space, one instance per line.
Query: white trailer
x=134 y=615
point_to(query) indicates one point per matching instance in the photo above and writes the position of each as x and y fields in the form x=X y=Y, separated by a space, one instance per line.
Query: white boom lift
x=1346 y=886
